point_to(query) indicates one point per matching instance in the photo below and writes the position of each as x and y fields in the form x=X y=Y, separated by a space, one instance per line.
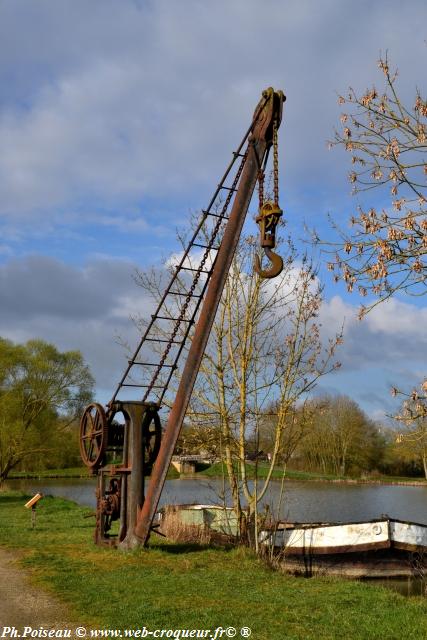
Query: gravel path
x=22 y=604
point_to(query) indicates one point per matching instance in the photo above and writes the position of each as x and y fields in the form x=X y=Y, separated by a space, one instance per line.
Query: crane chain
x=261 y=172
x=275 y=163
x=196 y=277
x=261 y=177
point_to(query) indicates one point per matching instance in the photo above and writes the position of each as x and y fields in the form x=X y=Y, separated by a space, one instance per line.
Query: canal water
x=301 y=502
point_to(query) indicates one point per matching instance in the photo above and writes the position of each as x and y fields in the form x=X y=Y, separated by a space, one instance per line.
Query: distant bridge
x=187 y=464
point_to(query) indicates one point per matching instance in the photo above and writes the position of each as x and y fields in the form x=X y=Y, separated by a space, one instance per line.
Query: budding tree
x=384 y=253
x=387 y=143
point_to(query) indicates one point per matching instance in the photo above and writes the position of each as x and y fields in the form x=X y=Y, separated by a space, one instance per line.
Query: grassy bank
x=218 y=469
x=178 y=586
x=74 y=472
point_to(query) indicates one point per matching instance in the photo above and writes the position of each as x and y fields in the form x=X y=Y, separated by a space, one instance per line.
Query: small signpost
x=32 y=504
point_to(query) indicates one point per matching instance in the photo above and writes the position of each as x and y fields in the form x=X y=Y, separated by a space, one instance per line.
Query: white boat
x=380 y=548
x=349 y=537
x=409 y=536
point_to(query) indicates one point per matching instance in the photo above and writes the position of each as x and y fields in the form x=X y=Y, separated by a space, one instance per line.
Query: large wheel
x=93 y=435
x=152 y=436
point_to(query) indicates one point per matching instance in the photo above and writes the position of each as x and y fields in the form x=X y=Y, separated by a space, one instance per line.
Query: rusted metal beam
x=267 y=112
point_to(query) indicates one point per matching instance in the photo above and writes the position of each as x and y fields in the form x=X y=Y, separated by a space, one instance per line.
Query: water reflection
x=409 y=587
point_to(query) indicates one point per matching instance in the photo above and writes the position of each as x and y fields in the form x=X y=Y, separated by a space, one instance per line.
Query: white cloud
x=141 y=99
x=399 y=319
x=388 y=348
x=192 y=260
x=392 y=333
x=75 y=308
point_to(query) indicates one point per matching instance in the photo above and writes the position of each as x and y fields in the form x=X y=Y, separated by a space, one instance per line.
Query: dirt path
x=22 y=604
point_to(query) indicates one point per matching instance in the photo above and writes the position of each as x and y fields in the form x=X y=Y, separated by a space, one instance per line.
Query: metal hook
x=275 y=269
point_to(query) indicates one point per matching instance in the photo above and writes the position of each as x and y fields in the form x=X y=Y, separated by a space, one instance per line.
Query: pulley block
x=268 y=219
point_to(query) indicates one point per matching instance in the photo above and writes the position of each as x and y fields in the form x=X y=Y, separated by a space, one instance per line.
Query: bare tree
x=413 y=442
x=341 y=437
x=265 y=346
x=412 y=439
x=299 y=423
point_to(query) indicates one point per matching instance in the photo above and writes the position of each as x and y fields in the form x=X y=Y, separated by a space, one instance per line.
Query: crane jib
x=140 y=452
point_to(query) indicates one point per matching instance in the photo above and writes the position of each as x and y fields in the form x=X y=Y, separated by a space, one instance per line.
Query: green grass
x=177 y=586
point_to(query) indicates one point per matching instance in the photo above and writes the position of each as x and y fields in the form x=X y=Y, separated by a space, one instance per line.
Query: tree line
x=42 y=393
x=330 y=435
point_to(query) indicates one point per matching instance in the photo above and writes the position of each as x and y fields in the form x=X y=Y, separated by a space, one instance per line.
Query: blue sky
x=117 y=118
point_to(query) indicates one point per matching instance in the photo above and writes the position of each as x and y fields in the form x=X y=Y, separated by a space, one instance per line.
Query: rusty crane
x=131 y=458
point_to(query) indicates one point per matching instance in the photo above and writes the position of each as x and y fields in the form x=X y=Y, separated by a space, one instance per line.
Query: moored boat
x=385 y=547
x=381 y=548
x=346 y=537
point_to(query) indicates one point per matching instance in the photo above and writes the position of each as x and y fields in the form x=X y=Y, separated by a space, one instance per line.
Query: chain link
x=275 y=163
x=261 y=177
x=261 y=172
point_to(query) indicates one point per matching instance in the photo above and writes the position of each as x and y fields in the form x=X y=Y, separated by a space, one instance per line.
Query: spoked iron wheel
x=93 y=435
x=152 y=435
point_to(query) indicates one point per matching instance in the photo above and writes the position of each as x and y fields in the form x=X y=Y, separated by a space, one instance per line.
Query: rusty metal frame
x=134 y=498
x=267 y=115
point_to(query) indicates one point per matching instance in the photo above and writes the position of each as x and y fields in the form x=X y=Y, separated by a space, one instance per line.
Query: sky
x=117 y=119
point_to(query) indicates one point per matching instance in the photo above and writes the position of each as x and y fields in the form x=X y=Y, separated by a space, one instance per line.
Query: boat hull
x=324 y=539
x=384 y=548
x=409 y=536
